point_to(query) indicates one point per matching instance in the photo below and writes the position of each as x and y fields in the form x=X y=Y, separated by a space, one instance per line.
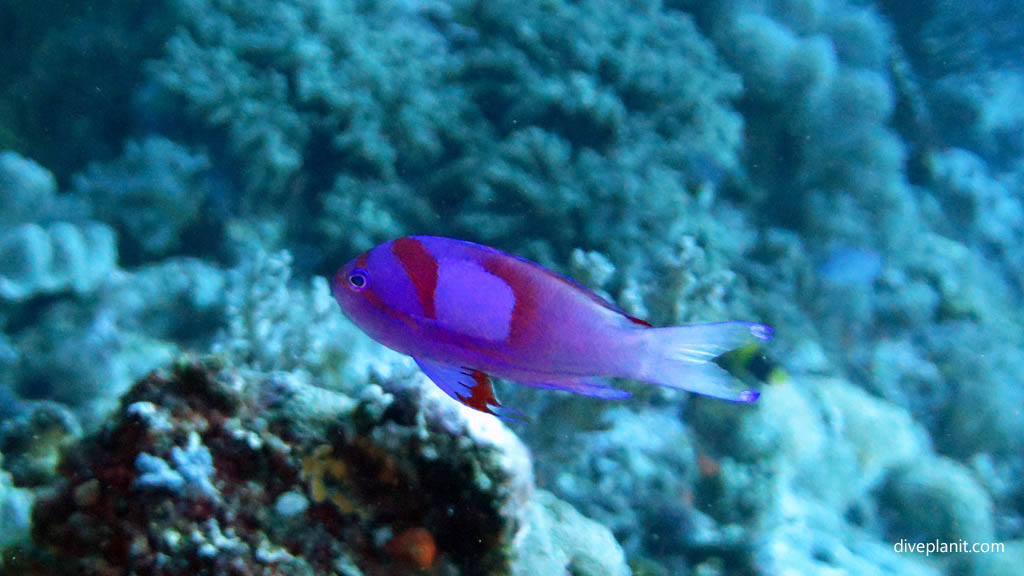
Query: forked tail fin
x=681 y=357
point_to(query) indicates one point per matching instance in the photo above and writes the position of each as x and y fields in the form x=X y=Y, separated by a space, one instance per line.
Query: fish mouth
x=337 y=282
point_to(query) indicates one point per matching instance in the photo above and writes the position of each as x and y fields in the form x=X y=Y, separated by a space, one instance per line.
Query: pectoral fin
x=467 y=385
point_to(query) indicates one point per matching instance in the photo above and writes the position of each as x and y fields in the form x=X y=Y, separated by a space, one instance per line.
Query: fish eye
x=357 y=279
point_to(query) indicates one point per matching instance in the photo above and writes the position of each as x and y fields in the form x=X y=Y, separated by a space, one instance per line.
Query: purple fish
x=466 y=312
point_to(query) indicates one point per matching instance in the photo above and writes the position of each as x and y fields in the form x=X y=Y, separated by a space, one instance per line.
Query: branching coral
x=153 y=193
x=304 y=89
x=276 y=324
x=562 y=133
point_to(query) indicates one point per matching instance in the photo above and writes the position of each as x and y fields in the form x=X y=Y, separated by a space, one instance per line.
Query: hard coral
x=202 y=470
x=61 y=257
x=154 y=193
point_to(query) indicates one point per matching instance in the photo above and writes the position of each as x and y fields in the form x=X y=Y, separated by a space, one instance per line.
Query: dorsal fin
x=636 y=320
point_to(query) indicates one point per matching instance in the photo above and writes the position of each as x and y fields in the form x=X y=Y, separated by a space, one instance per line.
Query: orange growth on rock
x=415 y=547
x=708 y=465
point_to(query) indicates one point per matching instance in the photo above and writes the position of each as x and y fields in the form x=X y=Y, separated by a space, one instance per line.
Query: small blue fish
x=850 y=266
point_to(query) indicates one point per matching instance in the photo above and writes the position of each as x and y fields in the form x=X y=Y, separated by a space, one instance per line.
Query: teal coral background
x=177 y=178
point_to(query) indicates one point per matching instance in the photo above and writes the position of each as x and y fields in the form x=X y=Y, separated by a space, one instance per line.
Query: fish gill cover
x=177 y=178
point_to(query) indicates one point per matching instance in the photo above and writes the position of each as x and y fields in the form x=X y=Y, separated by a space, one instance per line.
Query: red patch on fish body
x=421 y=266
x=522 y=324
x=593 y=296
x=527 y=280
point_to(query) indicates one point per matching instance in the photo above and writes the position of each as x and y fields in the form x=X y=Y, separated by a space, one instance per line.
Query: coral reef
x=561 y=539
x=936 y=499
x=41 y=251
x=32 y=442
x=624 y=464
x=15 y=511
x=309 y=81
x=78 y=329
x=848 y=172
x=802 y=475
x=61 y=257
x=154 y=194
x=209 y=471
x=72 y=73
x=500 y=131
x=966 y=59
x=28 y=191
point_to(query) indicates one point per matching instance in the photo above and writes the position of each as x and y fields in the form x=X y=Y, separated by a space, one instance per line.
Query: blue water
x=180 y=179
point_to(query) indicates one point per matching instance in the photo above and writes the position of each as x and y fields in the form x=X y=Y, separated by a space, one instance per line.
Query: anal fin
x=587 y=386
